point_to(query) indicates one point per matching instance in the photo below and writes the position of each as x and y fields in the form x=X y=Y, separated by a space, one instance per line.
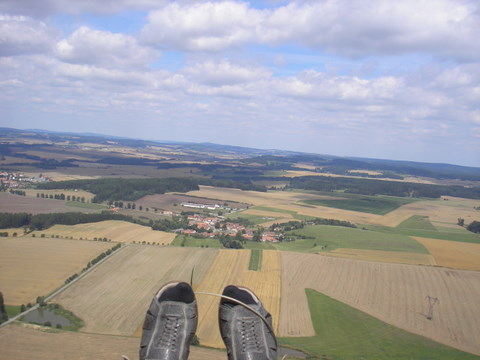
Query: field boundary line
x=64 y=287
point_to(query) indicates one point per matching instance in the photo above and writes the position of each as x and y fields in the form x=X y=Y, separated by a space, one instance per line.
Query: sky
x=365 y=78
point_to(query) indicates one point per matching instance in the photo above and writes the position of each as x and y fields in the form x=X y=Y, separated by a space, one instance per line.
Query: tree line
x=381 y=187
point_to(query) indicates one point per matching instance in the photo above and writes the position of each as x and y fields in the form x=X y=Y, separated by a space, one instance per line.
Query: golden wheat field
x=114 y=230
x=31 y=267
x=32 y=342
x=453 y=254
x=397 y=257
x=265 y=283
x=394 y=293
x=113 y=298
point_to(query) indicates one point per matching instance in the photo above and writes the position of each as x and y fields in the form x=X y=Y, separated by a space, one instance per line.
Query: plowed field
x=113 y=298
x=119 y=231
x=31 y=267
x=394 y=293
x=231 y=267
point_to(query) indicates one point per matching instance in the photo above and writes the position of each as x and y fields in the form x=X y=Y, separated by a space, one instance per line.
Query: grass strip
x=255 y=260
x=343 y=332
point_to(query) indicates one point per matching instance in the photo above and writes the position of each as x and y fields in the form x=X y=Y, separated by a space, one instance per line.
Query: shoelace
x=248 y=331
x=169 y=332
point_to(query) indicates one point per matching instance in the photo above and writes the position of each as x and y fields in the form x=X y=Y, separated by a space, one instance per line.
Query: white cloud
x=21 y=35
x=46 y=8
x=87 y=46
x=224 y=73
x=354 y=28
x=204 y=26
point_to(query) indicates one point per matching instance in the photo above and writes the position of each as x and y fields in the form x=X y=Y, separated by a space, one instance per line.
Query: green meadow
x=379 y=205
x=345 y=333
x=334 y=237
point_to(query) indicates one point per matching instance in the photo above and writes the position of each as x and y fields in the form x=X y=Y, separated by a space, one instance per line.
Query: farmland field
x=15 y=203
x=380 y=205
x=265 y=283
x=394 y=293
x=343 y=332
x=26 y=343
x=31 y=267
x=453 y=254
x=122 y=287
x=115 y=230
x=399 y=257
x=342 y=237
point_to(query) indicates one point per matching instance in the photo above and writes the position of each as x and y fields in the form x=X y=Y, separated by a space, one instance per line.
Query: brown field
x=113 y=298
x=268 y=214
x=15 y=203
x=115 y=230
x=26 y=343
x=30 y=267
x=394 y=293
x=396 y=257
x=265 y=283
x=453 y=254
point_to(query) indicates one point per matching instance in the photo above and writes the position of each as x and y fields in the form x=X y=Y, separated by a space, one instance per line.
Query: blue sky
x=369 y=78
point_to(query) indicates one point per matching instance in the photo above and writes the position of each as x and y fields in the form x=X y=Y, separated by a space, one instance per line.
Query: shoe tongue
x=181 y=293
x=239 y=294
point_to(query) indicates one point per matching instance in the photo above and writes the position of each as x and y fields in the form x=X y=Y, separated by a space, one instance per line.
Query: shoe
x=246 y=335
x=170 y=323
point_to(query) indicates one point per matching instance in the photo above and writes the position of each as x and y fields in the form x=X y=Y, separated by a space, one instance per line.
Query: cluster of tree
x=61 y=196
x=3 y=311
x=44 y=221
x=116 y=189
x=333 y=222
x=288 y=226
x=176 y=222
x=381 y=187
x=4 y=234
x=229 y=242
x=18 y=192
x=474 y=227
x=71 y=278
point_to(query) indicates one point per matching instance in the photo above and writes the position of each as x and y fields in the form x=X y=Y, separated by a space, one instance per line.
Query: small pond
x=41 y=316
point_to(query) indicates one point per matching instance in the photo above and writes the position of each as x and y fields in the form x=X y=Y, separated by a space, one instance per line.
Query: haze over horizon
x=374 y=79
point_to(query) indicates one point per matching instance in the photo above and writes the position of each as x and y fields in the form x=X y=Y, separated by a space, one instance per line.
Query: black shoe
x=170 y=323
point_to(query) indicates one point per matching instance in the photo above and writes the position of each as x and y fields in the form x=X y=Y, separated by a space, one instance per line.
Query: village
x=14 y=180
x=213 y=224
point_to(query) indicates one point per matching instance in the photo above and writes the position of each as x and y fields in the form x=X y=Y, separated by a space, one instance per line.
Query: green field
x=249 y=244
x=342 y=332
x=294 y=214
x=254 y=219
x=86 y=205
x=190 y=241
x=460 y=235
x=334 y=237
x=12 y=310
x=379 y=205
x=418 y=222
x=255 y=260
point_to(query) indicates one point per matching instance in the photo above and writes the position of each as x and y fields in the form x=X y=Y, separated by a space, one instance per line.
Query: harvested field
x=265 y=283
x=15 y=203
x=115 y=230
x=453 y=254
x=397 y=257
x=113 y=298
x=25 y=343
x=30 y=267
x=394 y=293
